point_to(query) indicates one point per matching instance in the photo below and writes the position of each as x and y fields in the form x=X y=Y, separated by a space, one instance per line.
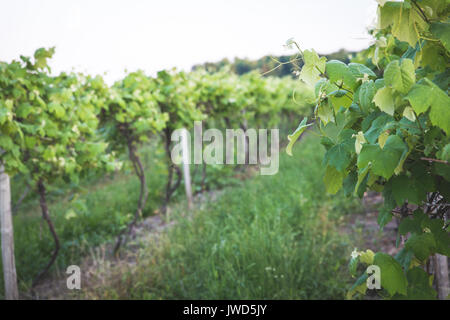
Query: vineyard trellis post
x=441 y=274
x=186 y=168
x=7 y=237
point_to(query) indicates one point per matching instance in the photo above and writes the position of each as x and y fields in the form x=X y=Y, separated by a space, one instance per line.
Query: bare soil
x=365 y=231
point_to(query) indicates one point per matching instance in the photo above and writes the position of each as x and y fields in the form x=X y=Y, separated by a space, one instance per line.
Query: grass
x=273 y=237
x=91 y=213
x=268 y=237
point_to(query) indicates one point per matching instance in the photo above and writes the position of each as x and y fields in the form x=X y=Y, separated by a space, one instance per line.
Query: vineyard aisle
x=157 y=244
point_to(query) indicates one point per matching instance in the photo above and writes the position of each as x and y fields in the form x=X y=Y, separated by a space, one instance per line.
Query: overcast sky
x=95 y=36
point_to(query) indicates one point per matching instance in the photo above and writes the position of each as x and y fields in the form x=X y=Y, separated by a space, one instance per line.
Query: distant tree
x=276 y=66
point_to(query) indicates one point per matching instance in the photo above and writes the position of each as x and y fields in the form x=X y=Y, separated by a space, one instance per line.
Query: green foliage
x=429 y=96
x=175 y=96
x=400 y=75
x=131 y=113
x=262 y=101
x=297 y=133
x=48 y=131
x=393 y=280
x=64 y=130
x=396 y=115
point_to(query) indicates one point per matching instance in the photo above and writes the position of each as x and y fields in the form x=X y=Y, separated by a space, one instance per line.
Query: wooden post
x=186 y=169
x=441 y=274
x=7 y=238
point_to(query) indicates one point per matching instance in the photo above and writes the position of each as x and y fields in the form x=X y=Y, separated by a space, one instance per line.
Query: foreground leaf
x=294 y=137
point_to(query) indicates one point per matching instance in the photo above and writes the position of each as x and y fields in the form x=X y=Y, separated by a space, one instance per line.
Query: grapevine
x=385 y=122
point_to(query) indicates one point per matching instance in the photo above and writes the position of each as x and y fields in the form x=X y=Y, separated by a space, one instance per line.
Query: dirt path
x=365 y=231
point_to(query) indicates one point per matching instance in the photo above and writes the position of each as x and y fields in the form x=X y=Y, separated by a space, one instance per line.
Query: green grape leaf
x=384 y=161
x=339 y=155
x=441 y=30
x=41 y=55
x=421 y=97
x=379 y=125
x=349 y=184
x=333 y=130
x=384 y=99
x=338 y=71
x=404 y=257
x=367 y=257
x=366 y=95
x=423 y=245
x=433 y=56
x=57 y=109
x=413 y=225
x=340 y=98
x=362 y=174
x=400 y=75
x=393 y=279
x=294 y=137
x=333 y=180
x=400 y=193
x=24 y=110
x=359 y=141
x=446 y=152
x=419 y=285
x=6 y=142
x=313 y=67
x=359 y=70
x=442 y=170
x=408 y=113
x=441 y=236
x=382 y=138
x=406 y=21
x=325 y=113
x=384 y=217
x=415 y=192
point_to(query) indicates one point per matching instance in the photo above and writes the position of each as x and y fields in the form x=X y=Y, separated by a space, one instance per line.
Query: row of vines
x=64 y=127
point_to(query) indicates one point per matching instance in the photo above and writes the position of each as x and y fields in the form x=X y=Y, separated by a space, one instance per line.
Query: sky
x=97 y=36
